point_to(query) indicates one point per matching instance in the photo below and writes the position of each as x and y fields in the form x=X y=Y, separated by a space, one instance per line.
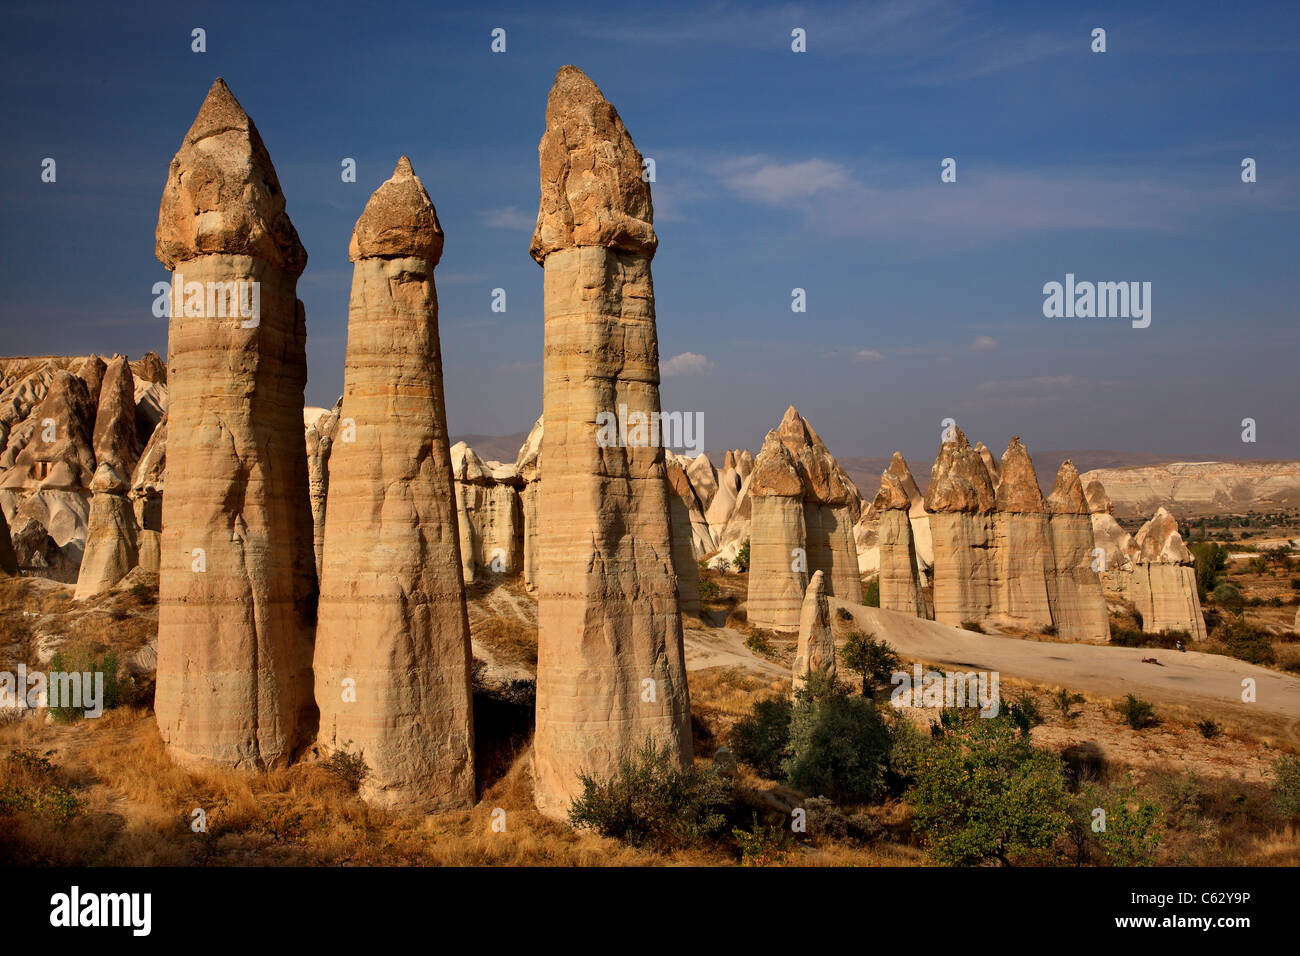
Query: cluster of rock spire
x=313 y=589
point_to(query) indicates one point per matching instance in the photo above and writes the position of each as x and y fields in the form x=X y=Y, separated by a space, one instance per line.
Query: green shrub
x=1139 y=713
x=117 y=689
x=1209 y=729
x=349 y=767
x=1064 y=700
x=709 y=590
x=839 y=744
x=760 y=738
x=1246 y=642
x=1286 y=788
x=874 y=661
x=1209 y=559
x=652 y=801
x=1134 y=827
x=1228 y=596
x=871 y=596
x=742 y=558
x=759 y=644
x=763 y=845
x=1024 y=713
x=984 y=792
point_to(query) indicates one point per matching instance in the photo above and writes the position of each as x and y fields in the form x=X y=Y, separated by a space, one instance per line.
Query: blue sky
x=774 y=170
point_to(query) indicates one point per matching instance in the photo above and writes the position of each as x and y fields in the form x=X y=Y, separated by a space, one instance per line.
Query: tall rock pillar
x=1078 y=603
x=900 y=584
x=611 y=669
x=237 y=601
x=393 y=627
x=778 y=549
x=1023 y=561
x=960 y=501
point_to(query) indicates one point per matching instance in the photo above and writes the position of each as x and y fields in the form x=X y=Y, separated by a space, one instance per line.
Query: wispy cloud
x=509 y=217
x=687 y=363
x=984 y=343
x=867 y=355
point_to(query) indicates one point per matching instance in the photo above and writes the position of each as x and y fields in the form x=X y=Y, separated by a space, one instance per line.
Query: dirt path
x=1183 y=678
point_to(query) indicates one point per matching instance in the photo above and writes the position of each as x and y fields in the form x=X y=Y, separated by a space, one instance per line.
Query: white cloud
x=688 y=363
x=983 y=343
x=867 y=355
x=764 y=180
x=509 y=217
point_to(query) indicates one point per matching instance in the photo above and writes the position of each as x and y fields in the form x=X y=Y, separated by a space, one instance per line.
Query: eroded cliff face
x=1200 y=487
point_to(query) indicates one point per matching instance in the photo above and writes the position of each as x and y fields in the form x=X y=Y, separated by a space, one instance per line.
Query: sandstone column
x=528 y=468
x=900 y=586
x=393 y=617
x=1078 y=605
x=960 y=503
x=610 y=669
x=1166 y=594
x=680 y=503
x=111 y=548
x=778 y=558
x=816 y=648
x=237 y=600
x=1023 y=559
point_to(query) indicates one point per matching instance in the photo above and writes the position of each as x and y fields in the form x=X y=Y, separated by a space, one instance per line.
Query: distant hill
x=502 y=448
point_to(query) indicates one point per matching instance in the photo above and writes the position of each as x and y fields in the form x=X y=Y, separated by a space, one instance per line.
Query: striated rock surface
x=528 y=469
x=1201 y=487
x=393 y=624
x=321 y=428
x=237 y=599
x=778 y=562
x=960 y=501
x=489 y=516
x=111 y=548
x=684 y=509
x=1023 y=561
x=1163 y=582
x=1078 y=604
x=116 y=437
x=611 y=669
x=816 y=648
x=900 y=584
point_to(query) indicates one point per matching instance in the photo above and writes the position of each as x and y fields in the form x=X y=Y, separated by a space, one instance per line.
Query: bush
x=1209 y=728
x=984 y=792
x=760 y=738
x=1286 y=789
x=652 y=801
x=117 y=690
x=1246 y=642
x=839 y=744
x=1228 y=596
x=871 y=596
x=1064 y=700
x=1139 y=713
x=1133 y=830
x=763 y=845
x=709 y=590
x=742 y=558
x=1050 y=630
x=972 y=626
x=348 y=767
x=759 y=644
x=1024 y=713
x=874 y=661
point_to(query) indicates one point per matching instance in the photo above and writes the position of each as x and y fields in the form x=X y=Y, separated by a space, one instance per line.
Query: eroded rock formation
x=778 y=561
x=393 y=627
x=900 y=583
x=816 y=647
x=960 y=501
x=489 y=515
x=1078 y=604
x=611 y=669
x=111 y=546
x=237 y=600
x=1023 y=562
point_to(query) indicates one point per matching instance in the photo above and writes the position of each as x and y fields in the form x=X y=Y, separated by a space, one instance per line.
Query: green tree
x=984 y=792
x=874 y=661
x=1134 y=827
x=742 y=558
x=1209 y=560
x=839 y=744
